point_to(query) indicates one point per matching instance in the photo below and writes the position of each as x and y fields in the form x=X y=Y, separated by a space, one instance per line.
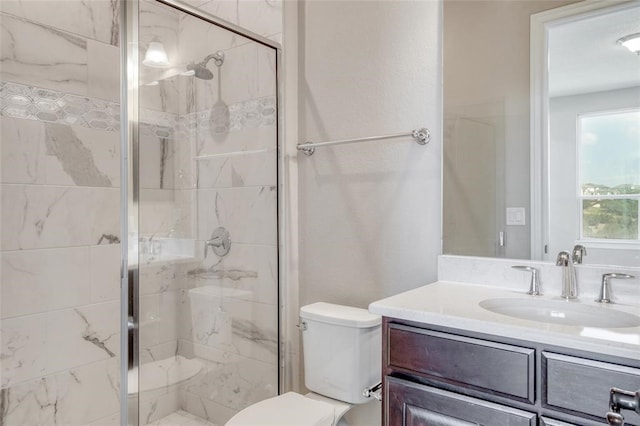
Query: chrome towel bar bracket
x=421 y=136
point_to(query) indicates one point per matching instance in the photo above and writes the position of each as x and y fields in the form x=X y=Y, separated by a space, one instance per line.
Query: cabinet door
x=544 y=421
x=581 y=386
x=412 y=404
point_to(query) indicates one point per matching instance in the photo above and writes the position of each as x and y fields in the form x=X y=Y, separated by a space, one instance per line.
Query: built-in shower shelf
x=167 y=250
x=163 y=373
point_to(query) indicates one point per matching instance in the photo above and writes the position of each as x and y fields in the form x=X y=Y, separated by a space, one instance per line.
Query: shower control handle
x=220 y=243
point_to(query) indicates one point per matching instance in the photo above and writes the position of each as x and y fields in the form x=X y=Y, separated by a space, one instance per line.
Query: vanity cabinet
x=576 y=384
x=440 y=376
x=544 y=421
x=414 y=404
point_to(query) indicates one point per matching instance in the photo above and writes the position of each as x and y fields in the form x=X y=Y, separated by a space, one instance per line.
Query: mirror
x=541 y=130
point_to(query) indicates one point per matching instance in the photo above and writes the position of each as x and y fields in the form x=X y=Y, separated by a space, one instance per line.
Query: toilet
x=342 y=350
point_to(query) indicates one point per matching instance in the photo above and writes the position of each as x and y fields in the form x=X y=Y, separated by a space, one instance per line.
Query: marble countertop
x=455 y=305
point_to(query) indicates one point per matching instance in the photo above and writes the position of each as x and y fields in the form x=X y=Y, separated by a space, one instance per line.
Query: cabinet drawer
x=546 y=421
x=582 y=386
x=414 y=404
x=495 y=368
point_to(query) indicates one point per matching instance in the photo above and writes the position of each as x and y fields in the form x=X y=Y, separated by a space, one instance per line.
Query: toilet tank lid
x=347 y=316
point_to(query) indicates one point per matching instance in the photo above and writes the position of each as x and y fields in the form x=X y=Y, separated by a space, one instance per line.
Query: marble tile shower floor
x=181 y=418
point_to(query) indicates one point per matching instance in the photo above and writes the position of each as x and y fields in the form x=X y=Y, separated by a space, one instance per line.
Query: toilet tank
x=342 y=349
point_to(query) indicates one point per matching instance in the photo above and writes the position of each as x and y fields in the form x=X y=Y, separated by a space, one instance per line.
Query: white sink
x=561 y=312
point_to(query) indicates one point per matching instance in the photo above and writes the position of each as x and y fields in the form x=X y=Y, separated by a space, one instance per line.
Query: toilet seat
x=289 y=409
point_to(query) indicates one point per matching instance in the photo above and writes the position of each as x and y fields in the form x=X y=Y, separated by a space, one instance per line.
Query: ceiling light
x=631 y=42
x=156 y=56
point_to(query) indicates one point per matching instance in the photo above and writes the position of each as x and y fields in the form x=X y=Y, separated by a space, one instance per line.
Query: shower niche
x=207 y=336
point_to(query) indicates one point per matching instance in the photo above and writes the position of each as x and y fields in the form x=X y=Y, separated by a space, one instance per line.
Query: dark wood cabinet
x=488 y=366
x=580 y=385
x=544 y=421
x=412 y=404
x=437 y=376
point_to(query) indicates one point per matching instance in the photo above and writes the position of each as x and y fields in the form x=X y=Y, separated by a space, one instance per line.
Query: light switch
x=515 y=216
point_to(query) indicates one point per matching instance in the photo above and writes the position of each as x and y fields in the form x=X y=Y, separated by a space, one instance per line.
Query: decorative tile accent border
x=243 y=115
x=34 y=103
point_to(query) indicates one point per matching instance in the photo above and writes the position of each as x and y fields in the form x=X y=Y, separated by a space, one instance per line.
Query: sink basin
x=561 y=312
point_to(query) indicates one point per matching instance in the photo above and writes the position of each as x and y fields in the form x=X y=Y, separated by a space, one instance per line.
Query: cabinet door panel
x=580 y=385
x=417 y=416
x=551 y=422
x=412 y=404
x=496 y=368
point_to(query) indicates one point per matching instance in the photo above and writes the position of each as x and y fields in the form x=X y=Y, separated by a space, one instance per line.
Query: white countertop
x=455 y=305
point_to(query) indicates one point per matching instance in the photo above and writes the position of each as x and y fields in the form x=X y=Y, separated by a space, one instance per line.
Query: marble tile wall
x=262 y=17
x=227 y=383
x=67 y=57
x=230 y=313
x=60 y=212
x=220 y=311
x=60 y=188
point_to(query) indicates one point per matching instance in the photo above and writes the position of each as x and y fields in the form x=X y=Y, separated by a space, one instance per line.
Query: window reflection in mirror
x=593 y=100
x=609 y=175
x=487 y=203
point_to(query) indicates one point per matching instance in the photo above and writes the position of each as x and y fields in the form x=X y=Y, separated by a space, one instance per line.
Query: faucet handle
x=534 y=287
x=563 y=258
x=605 y=289
x=579 y=251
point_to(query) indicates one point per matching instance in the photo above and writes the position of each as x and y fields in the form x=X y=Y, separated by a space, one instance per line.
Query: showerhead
x=200 y=71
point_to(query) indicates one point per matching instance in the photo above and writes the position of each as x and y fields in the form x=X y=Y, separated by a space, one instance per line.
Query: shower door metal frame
x=130 y=193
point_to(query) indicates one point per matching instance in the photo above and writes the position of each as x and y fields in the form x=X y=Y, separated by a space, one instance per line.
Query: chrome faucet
x=579 y=251
x=569 y=287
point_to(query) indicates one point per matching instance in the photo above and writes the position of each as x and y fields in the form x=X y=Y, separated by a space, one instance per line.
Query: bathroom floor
x=181 y=418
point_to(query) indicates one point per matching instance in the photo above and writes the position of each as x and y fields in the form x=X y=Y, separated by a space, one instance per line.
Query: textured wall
x=369 y=213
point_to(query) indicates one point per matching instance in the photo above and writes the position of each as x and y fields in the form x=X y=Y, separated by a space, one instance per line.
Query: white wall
x=369 y=213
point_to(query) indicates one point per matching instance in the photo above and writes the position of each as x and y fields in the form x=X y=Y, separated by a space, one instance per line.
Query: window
x=609 y=175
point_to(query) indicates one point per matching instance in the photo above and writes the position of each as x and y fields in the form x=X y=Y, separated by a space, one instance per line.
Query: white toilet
x=342 y=357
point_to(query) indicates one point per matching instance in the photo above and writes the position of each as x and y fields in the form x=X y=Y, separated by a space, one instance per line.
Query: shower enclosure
x=140 y=238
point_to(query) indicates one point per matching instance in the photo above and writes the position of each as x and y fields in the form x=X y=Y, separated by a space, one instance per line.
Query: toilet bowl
x=291 y=409
x=342 y=357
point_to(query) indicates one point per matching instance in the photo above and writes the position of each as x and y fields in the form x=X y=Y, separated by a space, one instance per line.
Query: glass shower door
x=208 y=232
